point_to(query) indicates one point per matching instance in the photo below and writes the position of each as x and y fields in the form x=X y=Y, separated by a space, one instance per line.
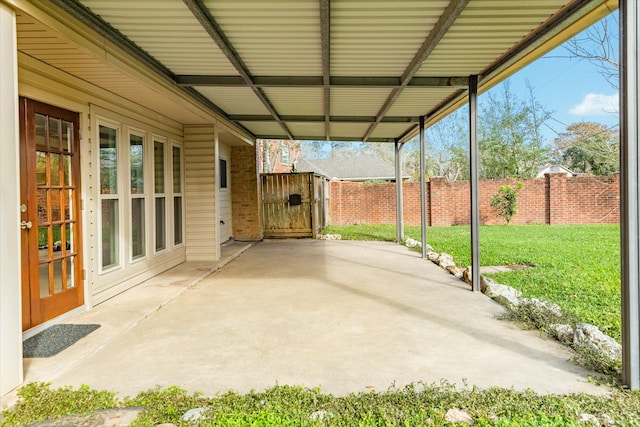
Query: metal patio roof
x=362 y=70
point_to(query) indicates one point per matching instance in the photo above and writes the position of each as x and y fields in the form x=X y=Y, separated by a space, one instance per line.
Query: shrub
x=506 y=201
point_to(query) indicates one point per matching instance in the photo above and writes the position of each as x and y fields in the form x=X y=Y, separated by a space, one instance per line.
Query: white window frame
x=168 y=234
x=175 y=144
x=104 y=122
x=133 y=131
x=285 y=154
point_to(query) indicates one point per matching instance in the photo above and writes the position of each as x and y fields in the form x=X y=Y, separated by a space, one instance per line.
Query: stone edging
x=584 y=336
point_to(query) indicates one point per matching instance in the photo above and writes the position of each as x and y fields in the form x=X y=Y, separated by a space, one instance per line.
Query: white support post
x=630 y=191
x=11 y=374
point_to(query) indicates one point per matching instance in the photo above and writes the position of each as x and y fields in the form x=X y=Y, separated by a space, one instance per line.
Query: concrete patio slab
x=342 y=315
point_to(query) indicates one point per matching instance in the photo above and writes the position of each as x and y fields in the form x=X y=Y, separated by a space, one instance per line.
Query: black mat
x=54 y=339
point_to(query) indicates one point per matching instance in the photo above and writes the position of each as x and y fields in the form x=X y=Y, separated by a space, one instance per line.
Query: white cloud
x=596 y=104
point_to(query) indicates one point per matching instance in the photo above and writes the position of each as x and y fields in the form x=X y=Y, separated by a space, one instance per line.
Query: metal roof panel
x=167 y=31
x=234 y=100
x=296 y=101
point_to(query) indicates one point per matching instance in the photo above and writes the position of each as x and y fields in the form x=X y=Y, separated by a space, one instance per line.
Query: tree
x=274 y=153
x=446 y=146
x=589 y=148
x=506 y=201
x=599 y=45
x=510 y=142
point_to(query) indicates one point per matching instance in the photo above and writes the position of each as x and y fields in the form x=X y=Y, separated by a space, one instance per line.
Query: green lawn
x=576 y=266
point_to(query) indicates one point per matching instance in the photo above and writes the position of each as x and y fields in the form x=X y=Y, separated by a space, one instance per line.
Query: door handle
x=26 y=224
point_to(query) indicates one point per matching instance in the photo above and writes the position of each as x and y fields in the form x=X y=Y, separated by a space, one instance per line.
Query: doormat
x=54 y=339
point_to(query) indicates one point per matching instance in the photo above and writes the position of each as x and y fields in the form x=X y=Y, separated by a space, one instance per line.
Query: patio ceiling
x=362 y=70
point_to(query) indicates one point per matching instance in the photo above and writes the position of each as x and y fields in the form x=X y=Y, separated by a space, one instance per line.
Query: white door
x=224 y=198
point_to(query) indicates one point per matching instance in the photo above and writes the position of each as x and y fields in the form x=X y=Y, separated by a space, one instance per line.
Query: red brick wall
x=554 y=199
x=245 y=196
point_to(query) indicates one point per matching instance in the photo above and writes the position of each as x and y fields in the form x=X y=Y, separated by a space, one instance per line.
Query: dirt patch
x=520 y=267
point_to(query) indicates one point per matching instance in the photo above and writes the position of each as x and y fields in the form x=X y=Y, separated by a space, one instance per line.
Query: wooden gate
x=292 y=204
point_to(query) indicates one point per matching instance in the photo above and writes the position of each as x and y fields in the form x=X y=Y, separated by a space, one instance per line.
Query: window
x=140 y=205
x=223 y=173
x=136 y=161
x=176 y=159
x=284 y=155
x=109 y=212
x=159 y=189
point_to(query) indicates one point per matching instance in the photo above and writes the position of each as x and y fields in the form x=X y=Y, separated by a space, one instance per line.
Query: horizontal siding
x=200 y=193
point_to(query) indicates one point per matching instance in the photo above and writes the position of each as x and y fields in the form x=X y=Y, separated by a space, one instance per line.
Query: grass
x=414 y=405
x=576 y=266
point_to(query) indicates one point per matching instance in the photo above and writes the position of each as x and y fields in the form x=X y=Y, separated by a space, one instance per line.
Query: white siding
x=200 y=187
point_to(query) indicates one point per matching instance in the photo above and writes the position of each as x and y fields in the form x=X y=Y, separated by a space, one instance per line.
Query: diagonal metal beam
x=202 y=14
x=451 y=13
x=325 y=37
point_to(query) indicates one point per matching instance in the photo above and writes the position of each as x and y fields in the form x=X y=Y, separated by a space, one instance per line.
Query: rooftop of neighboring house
x=542 y=170
x=365 y=168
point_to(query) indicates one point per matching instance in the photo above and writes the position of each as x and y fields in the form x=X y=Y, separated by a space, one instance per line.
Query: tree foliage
x=446 y=149
x=506 y=201
x=588 y=147
x=510 y=140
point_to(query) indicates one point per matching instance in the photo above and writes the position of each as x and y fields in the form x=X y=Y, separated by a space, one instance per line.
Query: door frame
x=35 y=312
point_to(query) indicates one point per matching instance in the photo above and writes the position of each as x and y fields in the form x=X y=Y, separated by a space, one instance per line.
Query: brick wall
x=245 y=195
x=554 y=199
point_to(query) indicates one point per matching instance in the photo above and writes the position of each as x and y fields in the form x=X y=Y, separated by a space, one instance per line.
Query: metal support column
x=423 y=191
x=399 y=200
x=630 y=191
x=473 y=160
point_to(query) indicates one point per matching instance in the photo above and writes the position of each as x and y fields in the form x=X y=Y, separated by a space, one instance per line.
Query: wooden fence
x=293 y=204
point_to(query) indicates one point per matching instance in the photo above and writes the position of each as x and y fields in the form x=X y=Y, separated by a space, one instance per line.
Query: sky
x=572 y=89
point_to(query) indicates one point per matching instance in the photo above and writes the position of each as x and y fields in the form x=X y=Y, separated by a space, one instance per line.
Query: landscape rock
x=433 y=256
x=456 y=271
x=563 y=332
x=193 y=414
x=467 y=275
x=445 y=260
x=502 y=294
x=329 y=237
x=588 y=419
x=412 y=243
x=486 y=281
x=590 y=335
x=321 y=415
x=606 y=421
x=455 y=415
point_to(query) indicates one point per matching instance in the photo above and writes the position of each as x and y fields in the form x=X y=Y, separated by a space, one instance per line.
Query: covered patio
x=346 y=316
x=193 y=84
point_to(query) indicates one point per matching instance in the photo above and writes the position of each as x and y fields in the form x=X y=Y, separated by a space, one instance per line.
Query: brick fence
x=554 y=199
